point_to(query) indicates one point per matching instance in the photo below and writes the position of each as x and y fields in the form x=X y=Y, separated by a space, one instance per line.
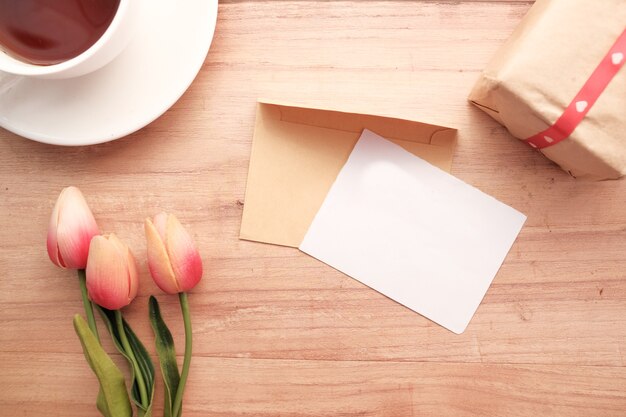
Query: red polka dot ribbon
x=585 y=99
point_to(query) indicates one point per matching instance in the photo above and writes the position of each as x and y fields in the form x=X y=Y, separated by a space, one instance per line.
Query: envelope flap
x=389 y=127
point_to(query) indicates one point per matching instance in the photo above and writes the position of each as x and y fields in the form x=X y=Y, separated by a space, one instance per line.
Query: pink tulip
x=173 y=259
x=112 y=279
x=71 y=228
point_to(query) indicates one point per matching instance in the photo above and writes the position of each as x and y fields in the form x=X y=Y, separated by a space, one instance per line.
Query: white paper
x=412 y=232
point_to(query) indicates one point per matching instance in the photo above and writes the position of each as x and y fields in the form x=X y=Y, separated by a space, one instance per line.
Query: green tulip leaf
x=167 y=356
x=114 y=400
x=145 y=367
x=141 y=355
x=109 y=318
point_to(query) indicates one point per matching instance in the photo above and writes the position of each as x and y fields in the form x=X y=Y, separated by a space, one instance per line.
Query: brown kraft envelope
x=540 y=69
x=298 y=152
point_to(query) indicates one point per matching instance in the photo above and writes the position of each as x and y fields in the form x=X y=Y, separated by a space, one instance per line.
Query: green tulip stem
x=143 y=393
x=178 y=400
x=91 y=320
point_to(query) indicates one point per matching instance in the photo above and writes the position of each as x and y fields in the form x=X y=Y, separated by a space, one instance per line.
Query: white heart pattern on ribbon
x=617 y=58
x=548 y=139
x=581 y=106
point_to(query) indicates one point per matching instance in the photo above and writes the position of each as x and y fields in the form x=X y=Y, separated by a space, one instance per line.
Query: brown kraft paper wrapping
x=540 y=69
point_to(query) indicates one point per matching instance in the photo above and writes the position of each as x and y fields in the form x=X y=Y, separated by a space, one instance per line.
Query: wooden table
x=278 y=333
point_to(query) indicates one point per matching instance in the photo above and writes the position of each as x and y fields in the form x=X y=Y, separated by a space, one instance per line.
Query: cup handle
x=7 y=81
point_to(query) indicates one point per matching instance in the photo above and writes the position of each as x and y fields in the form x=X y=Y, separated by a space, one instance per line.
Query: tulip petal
x=133 y=276
x=160 y=222
x=158 y=261
x=104 y=268
x=75 y=228
x=131 y=266
x=52 y=241
x=73 y=244
x=183 y=255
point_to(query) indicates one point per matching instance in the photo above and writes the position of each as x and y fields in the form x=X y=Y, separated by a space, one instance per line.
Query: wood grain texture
x=277 y=332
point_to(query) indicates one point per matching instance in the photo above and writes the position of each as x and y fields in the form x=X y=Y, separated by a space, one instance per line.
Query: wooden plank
x=249 y=387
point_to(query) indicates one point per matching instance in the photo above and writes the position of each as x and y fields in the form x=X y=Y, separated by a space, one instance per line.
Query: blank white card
x=412 y=232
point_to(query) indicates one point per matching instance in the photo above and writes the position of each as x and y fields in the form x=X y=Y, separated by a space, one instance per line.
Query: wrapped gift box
x=559 y=83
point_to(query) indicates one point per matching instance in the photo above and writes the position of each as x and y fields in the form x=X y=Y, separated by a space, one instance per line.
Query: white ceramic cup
x=110 y=44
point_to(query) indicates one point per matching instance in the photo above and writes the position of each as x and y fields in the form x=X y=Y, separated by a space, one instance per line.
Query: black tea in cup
x=47 y=32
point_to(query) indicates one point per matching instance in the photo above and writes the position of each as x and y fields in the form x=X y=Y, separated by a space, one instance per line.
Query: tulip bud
x=173 y=259
x=112 y=279
x=71 y=228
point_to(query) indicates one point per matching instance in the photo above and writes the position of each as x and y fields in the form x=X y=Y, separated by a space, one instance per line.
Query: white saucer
x=145 y=80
